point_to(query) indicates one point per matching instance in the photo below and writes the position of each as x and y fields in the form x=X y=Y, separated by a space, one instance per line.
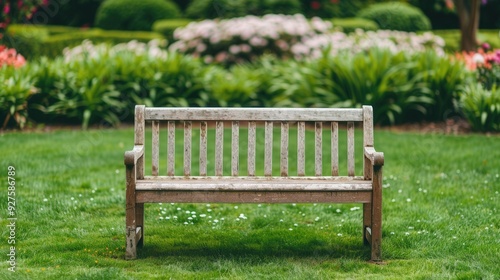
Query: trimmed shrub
x=134 y=15
x=209 y=9
x=166 y=27
x=348 y=25
x=70 y=13
x=33 y=41
x=396 y=16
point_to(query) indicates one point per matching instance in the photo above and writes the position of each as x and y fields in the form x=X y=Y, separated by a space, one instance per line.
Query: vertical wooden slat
x=203 y=148
x=268 y=149
x=350 y=148
x=335 y=149
x=251 y=148
x=284 y=149
x=139 y=137
x=235 y=150
x=301 y=148
x=171 y=149
x=155 y=149
x=219 y=142
x=187 y=148
x=318 y=148
x=367 y=139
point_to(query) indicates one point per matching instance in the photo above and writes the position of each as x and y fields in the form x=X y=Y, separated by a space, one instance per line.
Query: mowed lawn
x=441 y=216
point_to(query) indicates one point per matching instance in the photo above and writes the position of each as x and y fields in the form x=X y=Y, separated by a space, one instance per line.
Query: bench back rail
x=190 y=119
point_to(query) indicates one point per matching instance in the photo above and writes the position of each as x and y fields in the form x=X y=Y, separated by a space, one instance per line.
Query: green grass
x=441 y=217
x=452 y=38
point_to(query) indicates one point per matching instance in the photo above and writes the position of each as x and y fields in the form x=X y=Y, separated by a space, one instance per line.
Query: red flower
x=315 y=5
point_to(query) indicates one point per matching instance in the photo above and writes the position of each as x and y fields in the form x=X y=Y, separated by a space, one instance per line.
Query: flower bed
x=247 y=38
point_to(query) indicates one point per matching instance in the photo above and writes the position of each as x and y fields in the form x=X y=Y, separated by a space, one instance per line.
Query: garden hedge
x=134 y=15
x=396 y=16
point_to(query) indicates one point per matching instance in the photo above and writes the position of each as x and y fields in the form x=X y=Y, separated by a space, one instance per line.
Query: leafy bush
x=481 y=107
x=134 y=15
x=17 y=87
x=396 y=16
x=209 y=9
x=348 y=25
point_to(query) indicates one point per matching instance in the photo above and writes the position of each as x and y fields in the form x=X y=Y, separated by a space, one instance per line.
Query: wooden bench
x=230 y=184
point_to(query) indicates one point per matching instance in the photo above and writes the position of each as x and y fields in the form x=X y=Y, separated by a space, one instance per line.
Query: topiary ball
x=133 y=14
x=396 y=16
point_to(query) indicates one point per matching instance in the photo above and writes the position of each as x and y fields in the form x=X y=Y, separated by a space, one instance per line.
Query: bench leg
x=367 y=222
x=139 y=221
x=376 y=238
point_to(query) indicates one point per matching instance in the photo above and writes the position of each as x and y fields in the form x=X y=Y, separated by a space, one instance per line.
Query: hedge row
x=34 y=41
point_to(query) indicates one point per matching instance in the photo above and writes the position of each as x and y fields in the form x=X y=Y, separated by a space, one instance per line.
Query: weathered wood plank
x=284 y=149
x=187 y=147
x=251 y=148
x=255 y=114
x=235 y=150
x=253 y=197
x=367 y=139
x=171 y=149
x=268 y=149
x=203 y=148
x=350 y=148
x=301 y=149
x=155 y=147
x=335 y=148
x=219 y=143
x=139 y=137
x=318 y=147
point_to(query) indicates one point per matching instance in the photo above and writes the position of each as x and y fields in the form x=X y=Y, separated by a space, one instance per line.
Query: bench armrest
x=376 y=158
x=132 y=156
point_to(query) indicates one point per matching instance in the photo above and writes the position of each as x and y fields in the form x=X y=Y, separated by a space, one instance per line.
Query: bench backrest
x=202 y=119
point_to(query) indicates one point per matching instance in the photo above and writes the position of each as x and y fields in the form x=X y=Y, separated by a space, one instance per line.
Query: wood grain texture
x=335 y=148
x=187 y=147
x=284 y=149
x=251 y=148
x=350 y=148
x=301 y=148
x=268 y=149
x=235 y=148
x=318 y=148
x=219 y=147
x=203 y=148
x=155 y=148
x=171 y=149
x=255 y=114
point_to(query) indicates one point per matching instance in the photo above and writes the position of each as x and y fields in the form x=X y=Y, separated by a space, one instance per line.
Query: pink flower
x=6 y=9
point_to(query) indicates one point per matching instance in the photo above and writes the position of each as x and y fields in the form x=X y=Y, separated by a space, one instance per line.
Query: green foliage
x=166 y=27
x=71 y=13
x=202 y=9
x=134 y=15
x=481 y=107
x=348 y=25
x=444 y=79
x=34 y=41
x=17 y=87
x=396 y=16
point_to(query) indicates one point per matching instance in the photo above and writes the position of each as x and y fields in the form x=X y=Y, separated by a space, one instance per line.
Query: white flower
x=478 y=58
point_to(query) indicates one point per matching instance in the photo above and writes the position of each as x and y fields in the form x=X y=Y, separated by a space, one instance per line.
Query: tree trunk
x=468 y=13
